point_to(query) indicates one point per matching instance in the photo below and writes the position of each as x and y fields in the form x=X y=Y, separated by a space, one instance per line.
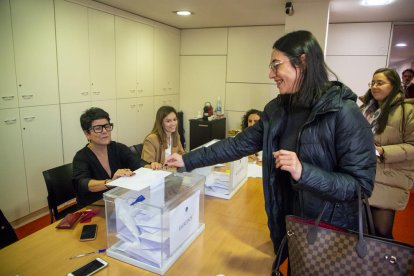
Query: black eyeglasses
x=99 y=128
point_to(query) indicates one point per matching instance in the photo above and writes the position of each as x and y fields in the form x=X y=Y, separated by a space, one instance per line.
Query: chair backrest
x=137 y=149
x=60 y=189
x=7 y=233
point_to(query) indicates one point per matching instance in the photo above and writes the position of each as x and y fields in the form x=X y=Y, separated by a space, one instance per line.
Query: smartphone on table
x=89 y=268
x=89 y=232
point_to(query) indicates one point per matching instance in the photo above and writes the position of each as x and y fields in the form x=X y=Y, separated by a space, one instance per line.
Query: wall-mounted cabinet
x=35 y=51
x=13 y=196
x=42 y=147
x=86 y=53
x=8 y=90
x=135 y=119
x=31 y=143
x=134 y=58
x=166 y=61
x=171 y=100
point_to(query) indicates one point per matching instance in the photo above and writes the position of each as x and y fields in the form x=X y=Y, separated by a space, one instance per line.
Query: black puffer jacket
x=336 y=149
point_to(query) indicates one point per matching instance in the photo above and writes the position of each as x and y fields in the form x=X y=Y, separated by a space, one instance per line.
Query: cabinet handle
x=29 y=119
x=203 y=125
x=7 y=98
x=85 y=93
x=27 y=96
x=96 y=92
x=10 y=121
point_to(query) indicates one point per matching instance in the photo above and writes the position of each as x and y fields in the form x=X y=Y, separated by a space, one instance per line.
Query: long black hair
x=304 y=51
x=393 y=77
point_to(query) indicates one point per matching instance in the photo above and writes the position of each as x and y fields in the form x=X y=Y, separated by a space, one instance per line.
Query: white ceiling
x=230 y=13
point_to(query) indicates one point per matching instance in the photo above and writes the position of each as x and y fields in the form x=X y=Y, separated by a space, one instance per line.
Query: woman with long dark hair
x=392 y=122
x=317 y=146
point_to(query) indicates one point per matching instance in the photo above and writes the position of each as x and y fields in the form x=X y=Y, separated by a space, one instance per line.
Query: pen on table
x=89 y=253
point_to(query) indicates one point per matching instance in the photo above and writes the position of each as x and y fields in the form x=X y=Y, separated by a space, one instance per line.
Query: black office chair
x=137 y=149
x=60 y=190
x=7 y=233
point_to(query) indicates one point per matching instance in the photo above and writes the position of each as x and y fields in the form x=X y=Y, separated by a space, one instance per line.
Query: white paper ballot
x=142 y=179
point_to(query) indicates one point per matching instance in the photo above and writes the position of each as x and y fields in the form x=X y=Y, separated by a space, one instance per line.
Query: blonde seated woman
x=163 y=140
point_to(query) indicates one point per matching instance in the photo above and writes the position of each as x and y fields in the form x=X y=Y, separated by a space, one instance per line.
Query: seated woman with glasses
x=101 y=160
x=391 y=117
x=163 y=140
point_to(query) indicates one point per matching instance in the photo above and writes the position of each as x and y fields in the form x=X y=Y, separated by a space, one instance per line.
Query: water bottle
x=218 y=108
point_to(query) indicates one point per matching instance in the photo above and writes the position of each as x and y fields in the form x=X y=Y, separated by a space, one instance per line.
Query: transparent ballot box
x=224 y=180
x=152 y=227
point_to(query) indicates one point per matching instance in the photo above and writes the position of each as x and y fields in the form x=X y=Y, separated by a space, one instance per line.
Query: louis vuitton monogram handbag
x=317 y=248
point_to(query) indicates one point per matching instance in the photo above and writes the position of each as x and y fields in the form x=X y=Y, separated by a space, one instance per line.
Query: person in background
x=163 y=140
x=392 y=122
x=317 y=146
x=407 y=85
x=250 y=118
x=101 y=160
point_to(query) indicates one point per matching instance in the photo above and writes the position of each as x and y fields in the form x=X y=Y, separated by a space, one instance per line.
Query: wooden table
x=235 y=242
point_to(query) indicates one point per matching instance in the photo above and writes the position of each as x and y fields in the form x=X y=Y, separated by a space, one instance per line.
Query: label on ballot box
x=184 y=220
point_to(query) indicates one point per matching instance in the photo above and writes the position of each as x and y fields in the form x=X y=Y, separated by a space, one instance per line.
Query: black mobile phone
x=89 y=232
x=90 y=268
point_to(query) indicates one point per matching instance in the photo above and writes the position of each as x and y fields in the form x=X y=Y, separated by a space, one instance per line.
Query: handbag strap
x=278 y=261
x=361 y=246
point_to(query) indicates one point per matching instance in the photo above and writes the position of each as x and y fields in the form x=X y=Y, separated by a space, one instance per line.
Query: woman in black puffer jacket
x=317 y=146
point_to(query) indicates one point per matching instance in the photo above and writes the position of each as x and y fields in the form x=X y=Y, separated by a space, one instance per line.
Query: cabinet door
x=73 y=137
x=146 y=118
x=8 y=91
x=167 y=62
x=126 y=57
x=102 y=54
x=42 y=145
x=13 y=191
x=171 y=100
x=127 y=115
x=35 y=51
x=145 y=60
x=72 y=51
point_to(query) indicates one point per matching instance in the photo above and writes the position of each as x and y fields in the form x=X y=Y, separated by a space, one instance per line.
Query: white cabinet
x=134 y=58
x=35 y=51
x=86 y=53
x=8 y=90
x=171 y=100
x=102 y=54
x=13 y=191
x=166 y=61
x=73 y=51
x=42 y=145
x=145 y=60
x=135 y=119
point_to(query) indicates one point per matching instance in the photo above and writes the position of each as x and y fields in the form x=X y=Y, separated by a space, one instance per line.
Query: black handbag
x=317 y=248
